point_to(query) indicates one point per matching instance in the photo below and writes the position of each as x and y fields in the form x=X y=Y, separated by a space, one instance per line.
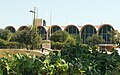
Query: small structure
x=46 y=44
x=107 y=47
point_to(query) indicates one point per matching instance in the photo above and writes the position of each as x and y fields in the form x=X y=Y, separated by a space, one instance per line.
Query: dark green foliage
x=59 y=36
x=94 y=40
x=79 y=60
x=83 y=61
x=2 y=42
x=70 y=40
x=77 y=38
x=3 y=70
x=57 y=45
x=115 y=37
x=5 y=34
x=28 y=37
x=14 y=45
x=54 y=65
x=72 y=60
x=32 y=38
x=20 y=64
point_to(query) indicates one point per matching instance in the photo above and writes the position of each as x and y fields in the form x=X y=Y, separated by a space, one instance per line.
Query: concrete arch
x=22 y=28
x=55 y=28
x=42 y=28
x=86 y=31
x=86 y=26
x=104 y=26
x=104 y=31
x=11 y=28
x=42 y=31
x=72 y=29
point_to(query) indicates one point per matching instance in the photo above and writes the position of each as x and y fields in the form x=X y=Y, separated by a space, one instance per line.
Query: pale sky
x=64 y=12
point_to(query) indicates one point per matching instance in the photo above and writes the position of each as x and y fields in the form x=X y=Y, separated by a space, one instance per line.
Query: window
x=104 y=33
x=87 y=31
x=72 y=30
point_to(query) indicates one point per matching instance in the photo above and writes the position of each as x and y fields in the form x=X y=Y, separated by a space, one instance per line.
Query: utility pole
x=34 y=12
x=50 y=22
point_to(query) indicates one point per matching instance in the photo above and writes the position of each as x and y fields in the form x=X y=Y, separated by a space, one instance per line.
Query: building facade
x=83 y=31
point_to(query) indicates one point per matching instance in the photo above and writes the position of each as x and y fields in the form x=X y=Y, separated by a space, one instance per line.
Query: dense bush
x=60 y=45
x=14 y=45
x=83 y=61
x=28 y=37
x=57 y=45
x=5 y=34
x=71 y=60
x=59 y=36
x=94 y=40
x=2 y=42
x=20 y=64
x=70 y=40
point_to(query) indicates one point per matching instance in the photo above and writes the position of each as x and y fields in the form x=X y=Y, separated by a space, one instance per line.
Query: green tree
x=20 y=64
x=58 y=39
x=29 y=37
x=5 y=34
x=94 y=40
x=115 y=37
x=59 y=36
x=32 y=38
x=71 y=60
x=82 y=61
x=77 y=38
x=2 y=42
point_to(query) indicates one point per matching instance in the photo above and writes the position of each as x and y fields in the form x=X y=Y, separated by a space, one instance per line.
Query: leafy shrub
x=94 y=40
x=5 y=34
x=57 y=45
x=3 y=70
x=60 y=39
x=71 y=60
x=70 y=40
x=3 y=42
x=54 y=65
x=59 y=36
x=28 y=37
x=20 y=64
x=14 y=45
x=83 y=61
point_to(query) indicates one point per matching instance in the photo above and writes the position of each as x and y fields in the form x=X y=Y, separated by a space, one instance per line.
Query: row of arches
x=84 y=31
